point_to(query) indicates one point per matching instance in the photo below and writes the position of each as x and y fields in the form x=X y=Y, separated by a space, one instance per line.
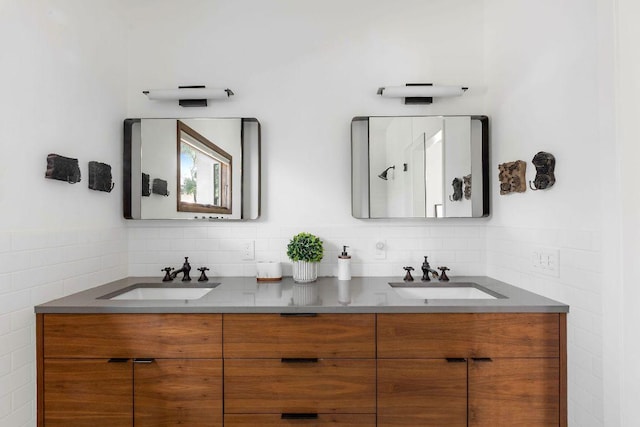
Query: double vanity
x=372 y=351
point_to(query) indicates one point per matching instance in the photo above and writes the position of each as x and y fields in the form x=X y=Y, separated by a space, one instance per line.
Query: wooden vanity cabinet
x=299 y=370
x=287 y=370
x=124 y=370
x=510 y=369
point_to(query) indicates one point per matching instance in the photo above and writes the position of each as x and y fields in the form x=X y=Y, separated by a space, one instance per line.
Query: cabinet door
x=422 y=392
x=514 y=392
x=88 y=393
x=178 y=392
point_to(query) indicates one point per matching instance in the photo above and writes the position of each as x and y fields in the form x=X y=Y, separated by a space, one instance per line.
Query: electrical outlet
x=248 y=251
x=546 y=261
x=381 y=249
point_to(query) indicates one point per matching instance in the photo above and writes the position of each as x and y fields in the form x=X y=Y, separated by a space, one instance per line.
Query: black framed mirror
x=192 y=168
x=420 y=167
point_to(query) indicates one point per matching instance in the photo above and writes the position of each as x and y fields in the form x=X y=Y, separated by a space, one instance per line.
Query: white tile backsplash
x=39 y=266
x=220 y=248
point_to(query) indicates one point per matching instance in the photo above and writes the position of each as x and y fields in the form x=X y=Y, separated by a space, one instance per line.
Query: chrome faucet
x=426 y=269
x=186 y=268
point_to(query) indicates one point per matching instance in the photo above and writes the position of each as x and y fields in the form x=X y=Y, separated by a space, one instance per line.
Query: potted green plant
x=305 y=251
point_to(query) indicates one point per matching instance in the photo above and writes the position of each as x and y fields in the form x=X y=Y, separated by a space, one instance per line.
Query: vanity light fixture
x=188 y=96
x=420 y=93
x=384 y=174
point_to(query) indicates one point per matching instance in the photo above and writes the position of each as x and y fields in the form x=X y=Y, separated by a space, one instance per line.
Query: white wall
x=304 y=69
x=625 y=345
x=542 y=91
x=63 y=91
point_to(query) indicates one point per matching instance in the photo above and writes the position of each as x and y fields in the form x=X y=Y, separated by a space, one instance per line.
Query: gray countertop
x=326 y=295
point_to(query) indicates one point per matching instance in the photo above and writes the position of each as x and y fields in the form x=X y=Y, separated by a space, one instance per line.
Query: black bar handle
x=118 y=360
x=456 y=359
x=147 y=361
x=292 y=416
x=298 y=314
x=481 y=359
x=299 y=360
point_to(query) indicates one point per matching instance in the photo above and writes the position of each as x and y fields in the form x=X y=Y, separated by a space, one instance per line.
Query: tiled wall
x=580 y=284
x=221 y=248
x=37 y=267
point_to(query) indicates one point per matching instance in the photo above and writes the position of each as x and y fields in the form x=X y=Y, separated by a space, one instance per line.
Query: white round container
x=304 y=272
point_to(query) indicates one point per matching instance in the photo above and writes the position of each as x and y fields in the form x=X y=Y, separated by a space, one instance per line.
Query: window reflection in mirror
x=204 y=173
x=209 y=168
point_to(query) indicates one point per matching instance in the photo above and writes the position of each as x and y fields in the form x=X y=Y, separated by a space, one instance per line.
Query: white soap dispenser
x=344 y=265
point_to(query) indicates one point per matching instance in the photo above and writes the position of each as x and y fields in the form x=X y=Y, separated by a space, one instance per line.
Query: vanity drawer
x=322 y=420
x=323 y=386
x=295 y=335
x=195 y=336
x=468 y=335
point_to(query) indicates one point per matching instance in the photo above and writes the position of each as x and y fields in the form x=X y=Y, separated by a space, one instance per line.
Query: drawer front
x=320 y=420
x=133 y=335
x=268 y=386
x=468 y=335
x=322 y=335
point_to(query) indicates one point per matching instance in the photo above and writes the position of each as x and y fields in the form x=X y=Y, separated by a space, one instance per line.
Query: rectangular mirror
x=420 y=167
x=192 y=168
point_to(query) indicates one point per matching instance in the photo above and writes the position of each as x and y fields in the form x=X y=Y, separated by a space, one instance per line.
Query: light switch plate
x=546 y=261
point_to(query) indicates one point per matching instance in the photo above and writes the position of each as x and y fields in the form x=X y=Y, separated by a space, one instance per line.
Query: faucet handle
x=167 y=274
x=443 y=274
x=408 y=277
x=203 y=277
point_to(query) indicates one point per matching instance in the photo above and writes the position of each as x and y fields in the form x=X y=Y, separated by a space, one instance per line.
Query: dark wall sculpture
x=545 y=164
x=100 y=177
x=62 y=168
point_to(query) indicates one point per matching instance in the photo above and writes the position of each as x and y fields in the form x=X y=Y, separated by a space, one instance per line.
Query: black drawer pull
x=299 y=360
x=289 y=416
x=147 y=361
x=298 y=314
x=118 y=360
x=456 y=359
x=482 y=359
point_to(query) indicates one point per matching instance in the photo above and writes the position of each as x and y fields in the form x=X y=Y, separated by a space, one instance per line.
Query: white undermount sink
x=449 y=291
x=157 y=291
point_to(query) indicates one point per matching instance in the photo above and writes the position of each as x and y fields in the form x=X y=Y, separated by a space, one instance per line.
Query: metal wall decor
x=100 y=177
x=467 y=186
x=512 y=177
x=457 y=190
x=62 y=168
x=159 y=186
x=545 y=163
x=146 y=185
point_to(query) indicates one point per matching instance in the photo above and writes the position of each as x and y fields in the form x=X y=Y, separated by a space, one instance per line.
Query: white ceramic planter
x=305 y=272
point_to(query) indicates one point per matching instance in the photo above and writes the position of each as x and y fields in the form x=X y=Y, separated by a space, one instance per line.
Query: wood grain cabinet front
x=129 y=370
x=256 y=336
x=299 y=370
x=300 y=420
x=480 y=370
